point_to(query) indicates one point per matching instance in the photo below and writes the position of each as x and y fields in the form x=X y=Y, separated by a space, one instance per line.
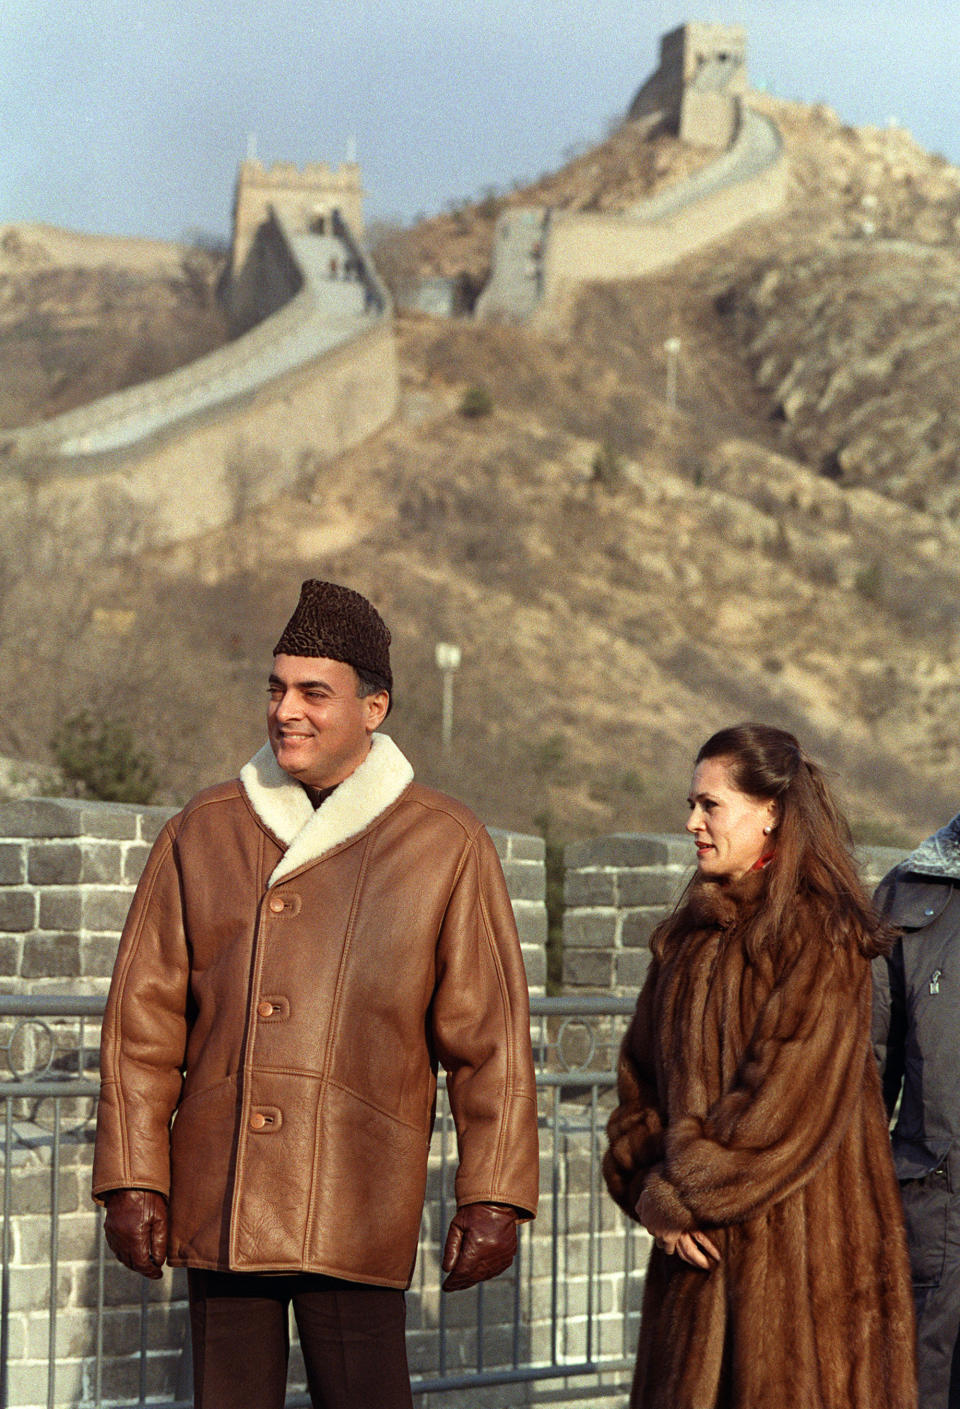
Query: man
x=917 y=1041
x=306 y=945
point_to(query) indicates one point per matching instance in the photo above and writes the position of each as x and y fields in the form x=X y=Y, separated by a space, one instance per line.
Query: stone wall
x=202 y=472
x=618 y=888
x=188 y=452
x=590 y=247
x=68 y=870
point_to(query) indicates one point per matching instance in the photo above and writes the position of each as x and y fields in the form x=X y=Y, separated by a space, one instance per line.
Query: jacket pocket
x=926 y=1203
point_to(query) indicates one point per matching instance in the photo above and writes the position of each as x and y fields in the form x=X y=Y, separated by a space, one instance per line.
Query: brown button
x=257 y=1121
x=265 y=1009
x=276 y=904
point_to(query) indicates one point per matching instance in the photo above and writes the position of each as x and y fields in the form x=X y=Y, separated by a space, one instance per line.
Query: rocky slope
x=623 y=578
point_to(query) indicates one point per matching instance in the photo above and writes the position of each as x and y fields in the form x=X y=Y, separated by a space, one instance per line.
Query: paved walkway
x=333 y=306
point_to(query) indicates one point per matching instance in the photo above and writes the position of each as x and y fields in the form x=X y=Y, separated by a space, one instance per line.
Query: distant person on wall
x=308 y=943
x=751 y=1139
x=916 y=1030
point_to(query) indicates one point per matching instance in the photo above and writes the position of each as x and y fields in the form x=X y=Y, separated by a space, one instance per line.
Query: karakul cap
x=337 y=623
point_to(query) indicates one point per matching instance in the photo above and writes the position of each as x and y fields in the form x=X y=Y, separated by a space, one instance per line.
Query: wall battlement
x=305 y=197
x=702 y=71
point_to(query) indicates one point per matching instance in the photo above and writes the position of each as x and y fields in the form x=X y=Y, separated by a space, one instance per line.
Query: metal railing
x=78 y=1329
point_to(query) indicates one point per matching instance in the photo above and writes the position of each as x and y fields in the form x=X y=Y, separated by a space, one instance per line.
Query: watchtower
x=307 y=198
x=702 y=74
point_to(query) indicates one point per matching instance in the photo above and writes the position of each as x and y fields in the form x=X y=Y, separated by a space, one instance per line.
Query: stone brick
x=535 y=963
x=50 y=956
x=13 y=865
x=590 y=888
x=88 y=908
x=134 y=860
x=588 y=968
x=30 y=1192
x=629 y=849
x=27 y=1382
x=649 y=887
x=152 y=821
x=102 y=863
x=531 y=921
x=55 y=863
x=632 y=965
x=16 y=1338
x=77 y=1237
x=30 y=1287
x=10 y=951
x=596 y=928
x=105 y=909
x=18 y=910
x=67 y=817
x=525 y=881
x=527 y=848
x=61 y=909
x=98 y=955
x=638 y=926
x=70 y=863
x=502 y=840
x=121 y=1378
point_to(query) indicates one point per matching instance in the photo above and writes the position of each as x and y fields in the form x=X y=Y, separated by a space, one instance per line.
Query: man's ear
x=377 y=705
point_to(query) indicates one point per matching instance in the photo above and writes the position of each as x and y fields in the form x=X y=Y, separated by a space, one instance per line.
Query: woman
x=751 y=1138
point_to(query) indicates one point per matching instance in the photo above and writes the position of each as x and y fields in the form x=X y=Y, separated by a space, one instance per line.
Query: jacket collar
x=939 y=855
x=285 y=810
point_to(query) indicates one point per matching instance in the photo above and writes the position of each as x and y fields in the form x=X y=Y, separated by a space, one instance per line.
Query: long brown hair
x=813 y=857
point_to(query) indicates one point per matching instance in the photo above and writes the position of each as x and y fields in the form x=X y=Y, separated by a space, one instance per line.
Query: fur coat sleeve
x=635 y=1129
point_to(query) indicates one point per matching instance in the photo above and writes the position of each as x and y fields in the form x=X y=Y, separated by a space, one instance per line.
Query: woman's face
x=727 y=824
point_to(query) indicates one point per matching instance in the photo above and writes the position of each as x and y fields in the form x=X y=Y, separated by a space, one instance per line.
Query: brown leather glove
x=481 y=1243
x=136 y=1229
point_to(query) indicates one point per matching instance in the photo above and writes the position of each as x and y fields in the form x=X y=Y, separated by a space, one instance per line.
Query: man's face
x=319 y=728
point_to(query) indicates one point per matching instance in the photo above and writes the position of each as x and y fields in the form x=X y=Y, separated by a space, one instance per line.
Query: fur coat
x=750 y=1107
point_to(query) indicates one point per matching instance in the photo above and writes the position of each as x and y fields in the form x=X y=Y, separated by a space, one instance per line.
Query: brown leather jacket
x=287 y=983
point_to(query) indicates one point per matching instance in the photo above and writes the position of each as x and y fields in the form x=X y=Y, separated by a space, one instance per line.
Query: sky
x=130 y=117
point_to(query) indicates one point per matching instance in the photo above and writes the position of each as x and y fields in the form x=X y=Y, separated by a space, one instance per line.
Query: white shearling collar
x=283 y=806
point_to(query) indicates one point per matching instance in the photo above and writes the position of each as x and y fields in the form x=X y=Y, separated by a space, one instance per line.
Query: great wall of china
x=313 y=369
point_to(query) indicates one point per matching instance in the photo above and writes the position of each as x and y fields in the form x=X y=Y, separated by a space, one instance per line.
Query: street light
x=447 y=657
x=672 y=348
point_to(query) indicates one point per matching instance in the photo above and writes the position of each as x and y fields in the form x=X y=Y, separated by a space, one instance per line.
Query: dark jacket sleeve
x=635 y=1129
x=143 y=1040
x=889 y=1024
x=784 y=1115
x=480 y=1019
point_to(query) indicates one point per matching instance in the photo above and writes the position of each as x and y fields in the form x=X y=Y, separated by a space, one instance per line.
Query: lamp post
x=672 y=348
x=448 y=661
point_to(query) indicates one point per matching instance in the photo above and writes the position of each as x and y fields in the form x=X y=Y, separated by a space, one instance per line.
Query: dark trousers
x=351 y=1335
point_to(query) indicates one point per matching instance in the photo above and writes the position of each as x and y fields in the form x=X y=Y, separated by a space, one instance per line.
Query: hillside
x=81 y=316
x=716 y=566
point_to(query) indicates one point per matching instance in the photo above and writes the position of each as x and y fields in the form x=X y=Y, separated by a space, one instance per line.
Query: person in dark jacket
x=916 y=1031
